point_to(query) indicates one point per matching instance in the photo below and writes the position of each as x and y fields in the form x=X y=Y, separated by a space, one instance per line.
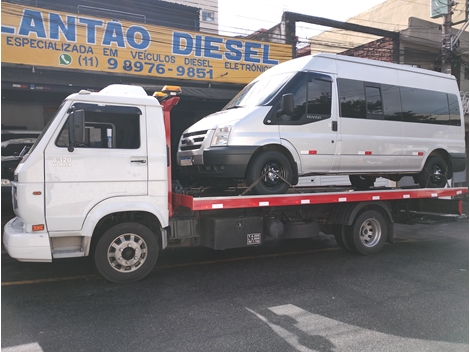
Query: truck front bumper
x=26 y=246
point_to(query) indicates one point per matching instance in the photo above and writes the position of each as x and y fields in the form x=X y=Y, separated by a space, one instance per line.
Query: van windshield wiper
x=234 y=107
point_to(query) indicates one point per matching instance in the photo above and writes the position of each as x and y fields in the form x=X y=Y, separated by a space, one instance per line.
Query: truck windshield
x=45 y=129
x=259 y=92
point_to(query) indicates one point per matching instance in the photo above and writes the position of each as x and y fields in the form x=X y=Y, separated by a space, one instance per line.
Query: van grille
x=193 y=140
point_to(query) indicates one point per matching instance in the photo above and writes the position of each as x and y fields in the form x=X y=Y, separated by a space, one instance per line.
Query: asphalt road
x=306 y=295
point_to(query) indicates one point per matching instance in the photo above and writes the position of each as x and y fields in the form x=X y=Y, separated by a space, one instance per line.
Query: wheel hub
x=271 y=172
x=127 y=253
x=371 y=232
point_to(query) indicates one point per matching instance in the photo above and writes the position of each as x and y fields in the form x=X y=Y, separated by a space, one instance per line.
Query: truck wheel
x=434 y=173
x=273 y=164
x=127 y=252
x=368 y=233
x=361 y=182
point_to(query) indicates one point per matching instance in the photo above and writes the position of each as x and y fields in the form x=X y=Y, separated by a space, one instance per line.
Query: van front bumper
x=229 y=162
x=26 y=246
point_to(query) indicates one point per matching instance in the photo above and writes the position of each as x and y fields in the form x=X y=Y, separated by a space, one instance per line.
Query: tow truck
x=98 y=181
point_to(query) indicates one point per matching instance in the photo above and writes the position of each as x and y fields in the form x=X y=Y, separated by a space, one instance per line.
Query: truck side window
x=107 y=130
x=352 y=98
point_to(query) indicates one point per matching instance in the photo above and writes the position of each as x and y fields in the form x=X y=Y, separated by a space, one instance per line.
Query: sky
x=242 y=17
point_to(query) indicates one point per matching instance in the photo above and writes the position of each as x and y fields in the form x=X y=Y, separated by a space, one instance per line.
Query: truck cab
x=100 y=155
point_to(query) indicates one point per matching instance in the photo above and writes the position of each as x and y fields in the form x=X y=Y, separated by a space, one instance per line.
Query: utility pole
x=446 y=66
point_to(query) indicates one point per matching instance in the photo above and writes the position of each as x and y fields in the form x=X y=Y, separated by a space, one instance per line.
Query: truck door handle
x=334 y=126
x=143 y=161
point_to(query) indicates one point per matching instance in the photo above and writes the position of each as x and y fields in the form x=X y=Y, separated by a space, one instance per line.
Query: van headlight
x=221 y=136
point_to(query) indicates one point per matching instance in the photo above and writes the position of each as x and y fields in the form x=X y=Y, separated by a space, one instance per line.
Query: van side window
x=312 y=99
x=424 y=106
x=454 y=110
x=392 y=103
x=352 y=98
x=319 y=99
x=374 y=102
x=105 y=128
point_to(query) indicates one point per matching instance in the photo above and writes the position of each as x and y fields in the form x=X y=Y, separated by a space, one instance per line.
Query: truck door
x=312 y=130
x=112 y=163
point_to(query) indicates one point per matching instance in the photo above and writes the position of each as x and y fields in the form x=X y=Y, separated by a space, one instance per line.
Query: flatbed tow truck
x=125 y=233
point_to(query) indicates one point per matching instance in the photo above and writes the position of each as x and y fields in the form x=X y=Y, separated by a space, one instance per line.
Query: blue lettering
x=178 y=48
x=56 y=24
x=145 y=40
x=32 y=21
x=249 y=53
x=198 y=46
x=90 y=29
x=209 y=48
x=233 y=53
x=266 y=59
x=113 y=33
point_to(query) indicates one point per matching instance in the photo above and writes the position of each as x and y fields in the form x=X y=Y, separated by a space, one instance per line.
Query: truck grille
x=193 y=140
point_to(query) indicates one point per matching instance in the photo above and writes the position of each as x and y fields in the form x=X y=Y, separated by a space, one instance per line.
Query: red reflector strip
x=38 y=227
x=312 y=152
x=418 y=153
x=366 y=152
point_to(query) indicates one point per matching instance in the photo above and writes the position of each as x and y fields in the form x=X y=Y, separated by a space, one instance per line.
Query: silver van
x=332 y=115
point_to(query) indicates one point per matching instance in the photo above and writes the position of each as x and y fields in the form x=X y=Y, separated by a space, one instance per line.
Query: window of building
x=208 y=16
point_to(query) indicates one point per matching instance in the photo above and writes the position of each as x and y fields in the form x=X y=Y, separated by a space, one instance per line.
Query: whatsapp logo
x=65 y=59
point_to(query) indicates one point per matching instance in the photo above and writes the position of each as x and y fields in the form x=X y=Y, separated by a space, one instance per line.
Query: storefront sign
x=40 y=37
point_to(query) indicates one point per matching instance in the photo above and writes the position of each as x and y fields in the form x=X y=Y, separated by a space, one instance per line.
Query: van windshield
x=259 y=92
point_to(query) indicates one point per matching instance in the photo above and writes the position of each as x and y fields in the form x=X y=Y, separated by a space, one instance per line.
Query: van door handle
x=143 y=161
x=334 y=126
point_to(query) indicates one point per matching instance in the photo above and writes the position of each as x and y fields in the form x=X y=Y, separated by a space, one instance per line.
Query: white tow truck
x=98 y=181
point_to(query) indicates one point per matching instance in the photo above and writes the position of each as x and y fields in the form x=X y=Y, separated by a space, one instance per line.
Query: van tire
x=268 y=161
x=434 y=173
x=138 y=247
x=361 y=182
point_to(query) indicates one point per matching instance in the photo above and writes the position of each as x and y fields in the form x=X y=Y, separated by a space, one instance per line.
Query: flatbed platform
x=320 y=196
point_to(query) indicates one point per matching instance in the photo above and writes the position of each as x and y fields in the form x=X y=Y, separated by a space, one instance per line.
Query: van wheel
x=434 y=173
x=368 y=233
x=274 y=167
x=127 y=252
x=361 y=182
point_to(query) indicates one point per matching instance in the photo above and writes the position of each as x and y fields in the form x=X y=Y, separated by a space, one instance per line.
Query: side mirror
x=287 y=105
x=76 y=129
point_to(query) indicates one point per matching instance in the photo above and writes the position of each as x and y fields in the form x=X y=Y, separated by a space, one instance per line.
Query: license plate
x=186 y=161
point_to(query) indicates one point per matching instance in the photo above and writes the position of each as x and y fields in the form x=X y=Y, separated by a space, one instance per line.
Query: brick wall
x=381 y=50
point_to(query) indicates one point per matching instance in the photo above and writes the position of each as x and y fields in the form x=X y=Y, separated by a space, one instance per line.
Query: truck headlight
x=221 y=136
x=6 y=182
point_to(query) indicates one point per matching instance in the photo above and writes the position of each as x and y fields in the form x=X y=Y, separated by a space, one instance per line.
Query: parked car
x=13 y=143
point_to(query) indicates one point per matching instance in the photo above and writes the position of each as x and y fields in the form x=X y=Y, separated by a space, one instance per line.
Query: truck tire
x=434 y=173
x=361 y=182
x=272 y=163
x=368 y=233
x=126 y=252
x=339 y=231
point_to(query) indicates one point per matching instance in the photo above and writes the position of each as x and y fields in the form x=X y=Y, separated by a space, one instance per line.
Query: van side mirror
x=287 y=105
x=76 y=128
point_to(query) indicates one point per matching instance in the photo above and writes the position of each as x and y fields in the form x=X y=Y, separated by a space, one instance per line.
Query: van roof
x=324 y=62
